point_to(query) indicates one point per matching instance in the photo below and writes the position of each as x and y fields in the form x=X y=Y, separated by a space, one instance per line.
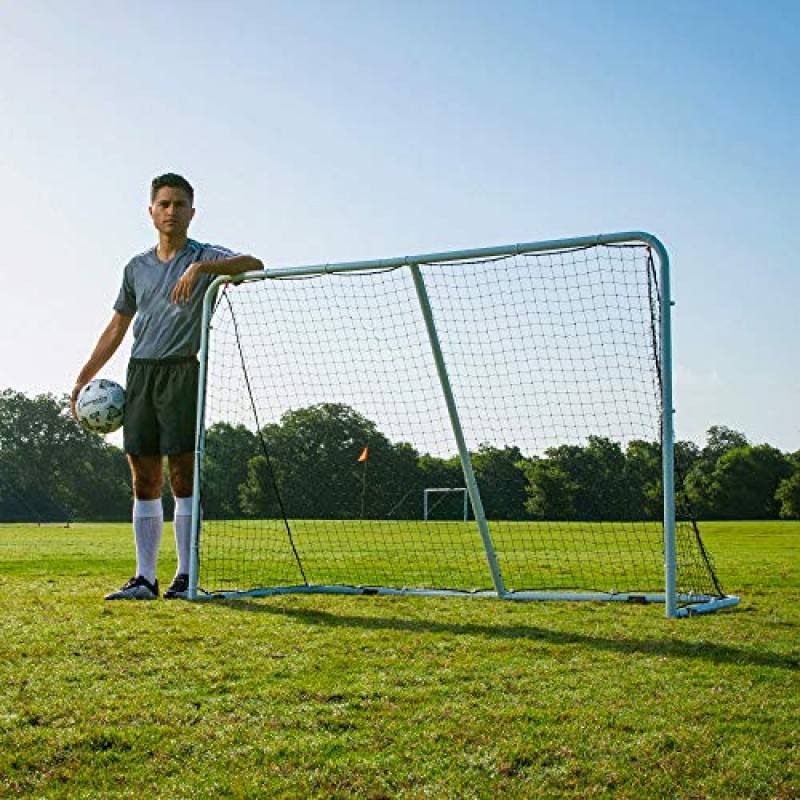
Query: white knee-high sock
x=183 y=531
x=148 y=525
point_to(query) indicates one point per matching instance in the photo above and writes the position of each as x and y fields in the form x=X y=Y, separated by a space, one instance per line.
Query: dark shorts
x=160 y=406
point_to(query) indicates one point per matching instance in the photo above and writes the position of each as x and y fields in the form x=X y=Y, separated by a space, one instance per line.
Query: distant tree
x=51 y=469
x=699 y=479
x=440 y=472
x=607 y=492
x=228 y=452
x=551 y=487
x=256 y=495
x=788 y=492
x=687 y=455
x=719 y=440
x=582 y=483
x=314 y=453
x=400 y=494
x=501 y=481
x=745 y=480
x=644 y=468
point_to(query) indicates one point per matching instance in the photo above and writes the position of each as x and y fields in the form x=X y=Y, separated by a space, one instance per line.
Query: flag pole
x=364 y=457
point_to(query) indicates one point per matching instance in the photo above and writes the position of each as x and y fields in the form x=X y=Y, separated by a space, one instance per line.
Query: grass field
x=386 y=697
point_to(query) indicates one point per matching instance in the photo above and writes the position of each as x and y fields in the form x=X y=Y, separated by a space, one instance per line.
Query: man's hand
x=74 y=399
x=235 y=265
x=182 y=292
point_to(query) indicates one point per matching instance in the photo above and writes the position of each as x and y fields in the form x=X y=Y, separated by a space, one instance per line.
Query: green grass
x=385 y=697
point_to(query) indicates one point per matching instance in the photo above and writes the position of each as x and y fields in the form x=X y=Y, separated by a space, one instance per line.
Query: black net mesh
x=326 y=423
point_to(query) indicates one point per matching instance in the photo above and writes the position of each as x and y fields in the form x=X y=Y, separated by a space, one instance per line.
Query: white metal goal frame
x=675 y=605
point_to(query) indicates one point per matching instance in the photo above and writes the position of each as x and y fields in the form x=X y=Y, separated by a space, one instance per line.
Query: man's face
x=171 y=211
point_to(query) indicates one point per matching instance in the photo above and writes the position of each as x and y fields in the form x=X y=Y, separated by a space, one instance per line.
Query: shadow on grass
x=672 y=648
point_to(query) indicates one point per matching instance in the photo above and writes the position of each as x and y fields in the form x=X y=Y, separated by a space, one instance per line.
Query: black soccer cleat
x=179 y=588
x=137 y=588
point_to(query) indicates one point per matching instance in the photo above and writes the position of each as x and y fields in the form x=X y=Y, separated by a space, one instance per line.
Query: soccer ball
x=100 y=406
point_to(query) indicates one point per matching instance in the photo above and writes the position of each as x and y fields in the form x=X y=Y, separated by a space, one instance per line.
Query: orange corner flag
x=364 y=454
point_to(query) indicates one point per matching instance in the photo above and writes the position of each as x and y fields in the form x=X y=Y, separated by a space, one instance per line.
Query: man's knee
x=181 y=474
x=148 y=477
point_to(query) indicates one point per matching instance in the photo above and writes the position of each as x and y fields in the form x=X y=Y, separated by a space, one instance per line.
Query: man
x=162 y=293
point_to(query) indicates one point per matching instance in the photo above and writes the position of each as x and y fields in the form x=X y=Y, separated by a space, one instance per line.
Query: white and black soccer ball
x=101 y=406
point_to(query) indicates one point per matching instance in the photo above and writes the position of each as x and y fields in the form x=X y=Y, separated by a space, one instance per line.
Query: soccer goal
x=538 y=376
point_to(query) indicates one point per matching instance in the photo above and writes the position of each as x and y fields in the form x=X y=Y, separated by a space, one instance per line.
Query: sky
x=346 y=130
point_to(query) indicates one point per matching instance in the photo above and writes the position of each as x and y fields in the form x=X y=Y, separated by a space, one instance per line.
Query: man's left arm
x=234 y=265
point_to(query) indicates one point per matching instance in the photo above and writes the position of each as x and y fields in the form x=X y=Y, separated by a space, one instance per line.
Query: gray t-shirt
x=161 y=328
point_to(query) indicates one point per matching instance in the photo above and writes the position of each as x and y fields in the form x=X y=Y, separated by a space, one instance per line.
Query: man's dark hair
x=174 y=182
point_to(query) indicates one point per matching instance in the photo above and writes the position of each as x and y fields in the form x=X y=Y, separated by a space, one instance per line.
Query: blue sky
x=332 y=131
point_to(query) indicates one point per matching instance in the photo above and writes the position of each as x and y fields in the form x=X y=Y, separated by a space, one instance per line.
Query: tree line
x=307 y=465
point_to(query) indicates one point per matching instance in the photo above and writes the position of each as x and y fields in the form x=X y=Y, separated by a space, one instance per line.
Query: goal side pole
x=200 y=434
x=455 y=422
x=667 y=434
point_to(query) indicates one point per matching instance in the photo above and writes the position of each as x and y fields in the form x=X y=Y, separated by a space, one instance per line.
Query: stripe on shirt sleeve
x=215 y=252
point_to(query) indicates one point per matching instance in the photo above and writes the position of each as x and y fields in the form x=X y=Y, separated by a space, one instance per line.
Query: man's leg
x=181 y=479
x=148 y=526
x=148 y=513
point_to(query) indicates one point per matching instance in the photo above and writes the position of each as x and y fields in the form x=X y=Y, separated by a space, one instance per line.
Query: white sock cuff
x=147 y=508
x=183 y=506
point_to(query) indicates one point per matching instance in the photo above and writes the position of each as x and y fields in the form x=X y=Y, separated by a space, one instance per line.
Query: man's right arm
x=110 y=339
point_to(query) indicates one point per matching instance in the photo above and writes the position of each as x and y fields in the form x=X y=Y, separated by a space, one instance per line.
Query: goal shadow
x=663 y=647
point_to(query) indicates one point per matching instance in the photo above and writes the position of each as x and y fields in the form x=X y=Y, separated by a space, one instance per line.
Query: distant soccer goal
x=537 y=376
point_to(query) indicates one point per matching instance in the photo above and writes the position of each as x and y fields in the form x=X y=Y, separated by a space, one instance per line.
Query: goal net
x=535 y=375
x=450 y=502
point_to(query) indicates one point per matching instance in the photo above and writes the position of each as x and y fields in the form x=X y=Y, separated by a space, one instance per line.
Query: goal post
x=540 y=373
